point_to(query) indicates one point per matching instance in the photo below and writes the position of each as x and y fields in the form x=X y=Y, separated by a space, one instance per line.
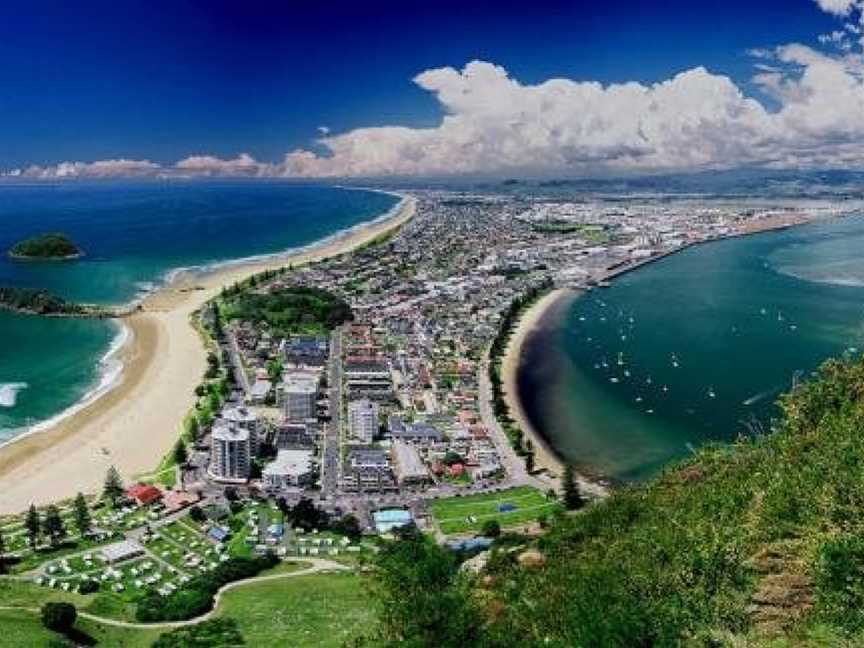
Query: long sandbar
x=134 y=424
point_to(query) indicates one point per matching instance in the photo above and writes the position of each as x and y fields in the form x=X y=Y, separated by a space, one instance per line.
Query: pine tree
x=2 y=554
x=572 y=497
x=33 y=526
x=53 y=525
x=180 y=454
x=192 y=428
x=83 y=521
x=113 y=489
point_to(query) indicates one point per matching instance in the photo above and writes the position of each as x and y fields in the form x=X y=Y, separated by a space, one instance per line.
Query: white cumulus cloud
x=494 y=124
x=838 y=7
x=120 y=168
x=208 y=165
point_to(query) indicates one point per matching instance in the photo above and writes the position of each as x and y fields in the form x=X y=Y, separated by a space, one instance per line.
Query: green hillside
x=756 y=544
x=761 y=539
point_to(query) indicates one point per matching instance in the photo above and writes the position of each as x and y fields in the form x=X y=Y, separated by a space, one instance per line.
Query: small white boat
x=613 y=380
x=711 y=393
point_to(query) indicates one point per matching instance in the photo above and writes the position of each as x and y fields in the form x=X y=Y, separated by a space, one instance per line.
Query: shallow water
x=694 y=348
x=133 y=235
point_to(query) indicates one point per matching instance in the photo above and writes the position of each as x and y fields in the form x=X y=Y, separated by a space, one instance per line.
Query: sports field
x=510 y=507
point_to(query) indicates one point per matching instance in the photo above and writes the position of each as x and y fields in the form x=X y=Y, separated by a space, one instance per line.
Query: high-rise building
x=300 y=396
x=363 y=420
x=230 y=452
x=245 y=418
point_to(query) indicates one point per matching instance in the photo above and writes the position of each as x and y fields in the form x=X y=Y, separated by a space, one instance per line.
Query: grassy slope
x=23 y=628
x=317 y=610
x=760 y=539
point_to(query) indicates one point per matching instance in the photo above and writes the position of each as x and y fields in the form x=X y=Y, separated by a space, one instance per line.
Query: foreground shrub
x=59 y=617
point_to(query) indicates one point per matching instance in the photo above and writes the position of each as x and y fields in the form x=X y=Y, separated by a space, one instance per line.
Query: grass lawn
x=467 y=514
x=25 y=629
x=315 y=610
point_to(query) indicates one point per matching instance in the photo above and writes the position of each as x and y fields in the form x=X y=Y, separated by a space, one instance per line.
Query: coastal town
x=360 y=394
x=395 y=408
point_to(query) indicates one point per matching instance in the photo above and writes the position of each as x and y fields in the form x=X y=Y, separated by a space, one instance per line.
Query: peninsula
x=53 y=246
x=33 y=301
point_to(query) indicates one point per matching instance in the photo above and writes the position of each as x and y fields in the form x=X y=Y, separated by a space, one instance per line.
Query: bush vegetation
x=289 y=310
x=46 y=246
x=196 y=597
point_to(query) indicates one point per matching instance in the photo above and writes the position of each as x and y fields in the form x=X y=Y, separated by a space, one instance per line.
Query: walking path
x=316 y=565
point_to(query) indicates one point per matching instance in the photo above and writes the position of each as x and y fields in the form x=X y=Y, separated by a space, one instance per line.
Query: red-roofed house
x=144 y=494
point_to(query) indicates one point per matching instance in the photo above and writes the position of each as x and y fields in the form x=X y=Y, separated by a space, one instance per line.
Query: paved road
x=237 y=363
x=514 y=466
x=332 y=432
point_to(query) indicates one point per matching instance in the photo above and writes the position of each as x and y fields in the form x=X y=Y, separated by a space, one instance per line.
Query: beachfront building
x=246 y=419
x=300 y=396
x=291 y=468
x=230 y=452
x=363 y=420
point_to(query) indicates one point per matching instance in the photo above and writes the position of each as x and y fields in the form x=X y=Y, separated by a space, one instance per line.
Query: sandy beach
x=530 y=321
x=134 y=424
x=546 y=308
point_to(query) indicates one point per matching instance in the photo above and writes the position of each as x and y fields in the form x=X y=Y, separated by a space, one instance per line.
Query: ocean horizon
x=136 y=237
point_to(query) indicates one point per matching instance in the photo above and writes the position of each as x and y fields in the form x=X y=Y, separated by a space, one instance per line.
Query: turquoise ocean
x=134 y=236
x=694 y=348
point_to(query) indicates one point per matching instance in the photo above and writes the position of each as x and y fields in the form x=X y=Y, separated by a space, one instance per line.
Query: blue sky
x=162 y=80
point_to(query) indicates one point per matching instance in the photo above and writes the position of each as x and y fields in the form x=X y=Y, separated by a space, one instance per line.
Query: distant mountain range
x=730 y=183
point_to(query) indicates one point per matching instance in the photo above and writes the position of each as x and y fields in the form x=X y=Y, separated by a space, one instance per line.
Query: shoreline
x=548 y=306
x=136 y=420
x=530 y=321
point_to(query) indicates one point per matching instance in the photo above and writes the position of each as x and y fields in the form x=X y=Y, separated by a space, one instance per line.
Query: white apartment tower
x=230 y=452
x=363 y=420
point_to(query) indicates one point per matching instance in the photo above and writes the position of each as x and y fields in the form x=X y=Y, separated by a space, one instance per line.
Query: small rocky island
x=54 y=246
